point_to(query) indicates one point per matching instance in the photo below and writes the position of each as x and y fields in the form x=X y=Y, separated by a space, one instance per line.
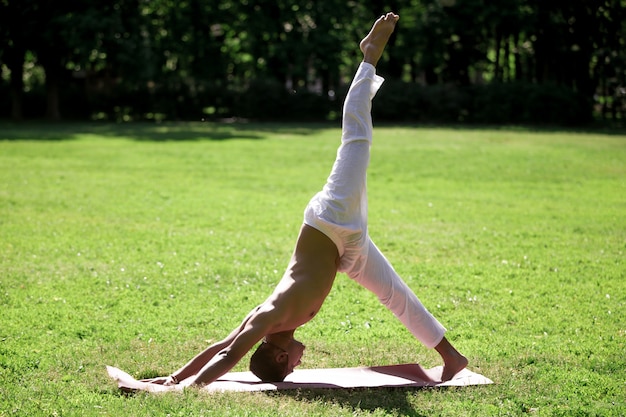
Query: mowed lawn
x=137 y=245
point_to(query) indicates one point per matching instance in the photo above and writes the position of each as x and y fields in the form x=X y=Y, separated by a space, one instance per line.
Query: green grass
x=136 y=245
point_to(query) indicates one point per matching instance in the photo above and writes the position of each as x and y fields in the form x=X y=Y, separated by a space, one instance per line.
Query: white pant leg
x=340 y=209
x=340 y=212
x=379 y=277
x=357 y=108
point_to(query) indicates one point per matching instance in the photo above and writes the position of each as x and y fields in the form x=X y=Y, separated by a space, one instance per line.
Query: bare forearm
x=218 y=366
x=198 y=362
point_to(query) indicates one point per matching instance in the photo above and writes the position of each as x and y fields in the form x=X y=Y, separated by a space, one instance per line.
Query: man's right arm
x=253 y=331
x=194 y=366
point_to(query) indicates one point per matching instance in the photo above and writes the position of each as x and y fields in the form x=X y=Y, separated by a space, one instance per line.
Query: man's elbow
x=221 y=363
x=228 y=357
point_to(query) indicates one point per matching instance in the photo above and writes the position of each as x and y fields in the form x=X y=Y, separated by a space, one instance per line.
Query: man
x=332 y=239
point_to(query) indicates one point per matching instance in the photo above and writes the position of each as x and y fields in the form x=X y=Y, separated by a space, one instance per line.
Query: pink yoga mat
x=406 y=375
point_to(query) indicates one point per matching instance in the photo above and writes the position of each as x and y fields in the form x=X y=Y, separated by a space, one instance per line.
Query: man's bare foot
x=453 y=367
x=374 y=43
x=453 y=361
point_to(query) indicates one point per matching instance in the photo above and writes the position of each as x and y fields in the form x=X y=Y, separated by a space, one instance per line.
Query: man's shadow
x=393 y=400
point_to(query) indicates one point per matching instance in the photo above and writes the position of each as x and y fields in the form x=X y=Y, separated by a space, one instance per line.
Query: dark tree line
x=452 y=60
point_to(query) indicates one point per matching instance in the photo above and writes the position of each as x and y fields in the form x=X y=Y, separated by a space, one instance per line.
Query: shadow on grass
x=157 y=132
x=216 y=131
x=594 y=128
x=393 y=400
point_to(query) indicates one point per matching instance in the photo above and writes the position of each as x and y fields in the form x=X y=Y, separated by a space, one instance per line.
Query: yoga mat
x=406 y=375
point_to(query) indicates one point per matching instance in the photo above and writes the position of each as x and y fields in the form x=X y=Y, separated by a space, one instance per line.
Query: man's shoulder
x=268 y=316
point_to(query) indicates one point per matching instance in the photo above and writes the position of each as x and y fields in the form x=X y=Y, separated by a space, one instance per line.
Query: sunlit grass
x=136 y=245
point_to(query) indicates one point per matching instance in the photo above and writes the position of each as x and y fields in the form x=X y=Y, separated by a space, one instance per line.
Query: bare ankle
x=453 y=360
x=370 y=57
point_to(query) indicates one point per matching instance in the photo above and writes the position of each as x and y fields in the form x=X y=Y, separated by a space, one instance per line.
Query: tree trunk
x=53 y=111
x=519 y=72
x=496 y=70
x=16 y=66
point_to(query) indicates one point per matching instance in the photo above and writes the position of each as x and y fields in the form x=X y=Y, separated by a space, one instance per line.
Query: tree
x=16 y=31
x=176 y=58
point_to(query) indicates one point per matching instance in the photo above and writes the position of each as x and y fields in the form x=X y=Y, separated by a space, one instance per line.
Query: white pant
x=340 y=212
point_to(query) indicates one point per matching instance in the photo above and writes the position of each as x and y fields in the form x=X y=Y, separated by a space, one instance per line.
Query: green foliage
x=526 y=103
x=267 y=99
x=496 y=103
x=99 y=55
x=136 y=245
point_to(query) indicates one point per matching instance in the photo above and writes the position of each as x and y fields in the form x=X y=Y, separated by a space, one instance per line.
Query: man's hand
x=161 y=380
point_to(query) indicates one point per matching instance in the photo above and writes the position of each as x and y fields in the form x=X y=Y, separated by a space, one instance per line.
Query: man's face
x=295 y=350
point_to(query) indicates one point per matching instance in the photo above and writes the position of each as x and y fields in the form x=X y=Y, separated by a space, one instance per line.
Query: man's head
x=272 y=363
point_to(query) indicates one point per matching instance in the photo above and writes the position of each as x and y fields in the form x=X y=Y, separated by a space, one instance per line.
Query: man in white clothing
x=333 y=239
